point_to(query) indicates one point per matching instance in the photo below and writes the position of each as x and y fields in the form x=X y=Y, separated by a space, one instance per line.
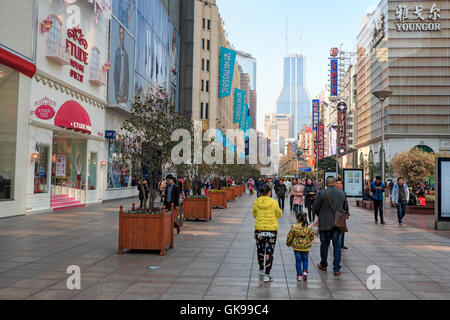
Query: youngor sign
x=417 y=18
x=227 y=62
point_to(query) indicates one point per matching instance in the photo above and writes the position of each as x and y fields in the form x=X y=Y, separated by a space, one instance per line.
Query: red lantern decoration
x=46 y=25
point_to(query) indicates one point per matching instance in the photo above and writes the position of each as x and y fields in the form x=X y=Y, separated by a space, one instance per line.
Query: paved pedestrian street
x=212 y=260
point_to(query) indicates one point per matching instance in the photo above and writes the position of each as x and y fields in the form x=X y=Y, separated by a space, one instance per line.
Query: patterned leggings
x=265 y=243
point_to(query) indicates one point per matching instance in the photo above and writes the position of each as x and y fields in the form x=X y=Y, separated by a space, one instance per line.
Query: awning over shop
x=73 y=116
x=17 y=63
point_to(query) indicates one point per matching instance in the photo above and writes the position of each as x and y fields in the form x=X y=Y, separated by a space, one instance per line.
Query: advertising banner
x=320 y=141
x=354 y=182
x=239 y=99
x=342 y=129
x=334 y=78
x=60 y=166
x=125 y=12
x=443 y=172
x=227 y=62
x=315 y=114
x=244 y=115
x=121 y=75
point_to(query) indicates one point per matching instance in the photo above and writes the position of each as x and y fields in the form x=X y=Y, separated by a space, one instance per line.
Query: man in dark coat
x=322 y=209
x=172 y=196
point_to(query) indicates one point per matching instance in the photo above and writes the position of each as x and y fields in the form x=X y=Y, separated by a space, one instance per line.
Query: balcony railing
x=57 y=53
x=98 y=76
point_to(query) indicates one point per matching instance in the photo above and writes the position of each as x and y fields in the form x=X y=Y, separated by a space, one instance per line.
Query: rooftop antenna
x=286 y=36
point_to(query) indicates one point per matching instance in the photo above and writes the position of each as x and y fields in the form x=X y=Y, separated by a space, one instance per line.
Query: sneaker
x=261 y=272
x=299 y=278
x=267 y=278
x=305 y=276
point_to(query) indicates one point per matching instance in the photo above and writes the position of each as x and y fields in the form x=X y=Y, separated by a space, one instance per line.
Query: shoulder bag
x=340 y=220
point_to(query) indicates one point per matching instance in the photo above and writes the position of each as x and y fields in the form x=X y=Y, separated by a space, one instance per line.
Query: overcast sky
x=259 y=27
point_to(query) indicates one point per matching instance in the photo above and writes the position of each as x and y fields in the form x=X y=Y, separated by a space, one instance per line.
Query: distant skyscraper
x=294 y=98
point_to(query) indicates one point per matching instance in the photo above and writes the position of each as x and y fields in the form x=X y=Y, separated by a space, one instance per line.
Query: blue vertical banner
x=227 y=62
x=334 y=78
x=239 y=99
x=244 y=115
x=315 y=113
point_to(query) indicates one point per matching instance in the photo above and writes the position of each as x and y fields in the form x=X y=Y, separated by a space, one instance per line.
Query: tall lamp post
x=382 y=96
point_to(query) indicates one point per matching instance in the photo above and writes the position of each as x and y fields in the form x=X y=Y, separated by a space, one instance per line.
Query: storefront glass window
x=92 y=178
x=9 y=85
x=41 y=169
x=118 y=175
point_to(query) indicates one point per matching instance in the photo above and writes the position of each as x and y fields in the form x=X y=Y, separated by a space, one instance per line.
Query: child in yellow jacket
x=300 y=238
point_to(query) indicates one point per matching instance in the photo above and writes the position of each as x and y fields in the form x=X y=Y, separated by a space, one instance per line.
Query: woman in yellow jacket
x=266 y=211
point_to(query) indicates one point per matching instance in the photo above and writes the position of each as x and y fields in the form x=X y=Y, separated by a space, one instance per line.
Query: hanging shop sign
x=76 y=46
x=417 y=18
x=239 y=99
x=45 y=109
x=320 y=141
x=334 y=78
x=342 y=129
x=315 y=113
x=227 y=62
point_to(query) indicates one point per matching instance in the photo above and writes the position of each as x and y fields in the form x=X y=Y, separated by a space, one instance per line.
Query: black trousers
x=291 y=202
x=265 y=244
x=281 y=202
x=378 y=206
x=309 y=203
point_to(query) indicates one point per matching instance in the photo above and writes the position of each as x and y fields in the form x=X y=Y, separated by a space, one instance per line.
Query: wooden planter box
x=236 y=192
x=428 y=209
x=218 y=199
x=146 y=231
x=197 y=208
x=229 y=193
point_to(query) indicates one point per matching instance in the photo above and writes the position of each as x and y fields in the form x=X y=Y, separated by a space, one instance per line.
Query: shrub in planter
x=229 y=192
x=218 y=198
x=141 y=229
x=198 y=207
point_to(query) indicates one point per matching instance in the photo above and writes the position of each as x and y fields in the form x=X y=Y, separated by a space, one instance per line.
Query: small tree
x=327 y=164
x=148 y=132
x=415 y=166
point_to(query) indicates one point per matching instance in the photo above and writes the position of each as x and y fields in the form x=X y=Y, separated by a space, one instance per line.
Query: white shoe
x=267 y=278
x=261 y=272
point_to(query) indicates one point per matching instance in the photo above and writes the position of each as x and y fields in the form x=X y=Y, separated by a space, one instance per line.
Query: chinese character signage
x=320 y=141
x=342 y=129
x=334 y=78
x=315 y=114
x=417 y=18
x=239 y=99
x=227 y=61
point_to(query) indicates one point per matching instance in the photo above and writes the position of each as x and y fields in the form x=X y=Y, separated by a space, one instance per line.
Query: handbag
x=340 y=220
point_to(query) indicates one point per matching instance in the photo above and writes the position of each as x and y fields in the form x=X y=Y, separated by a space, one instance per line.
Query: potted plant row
x=218 y=198
x=197 y=207
x=146 y=229
x=229 y=193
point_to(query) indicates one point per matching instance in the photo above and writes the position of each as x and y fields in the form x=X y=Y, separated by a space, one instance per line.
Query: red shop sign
x=45 y=112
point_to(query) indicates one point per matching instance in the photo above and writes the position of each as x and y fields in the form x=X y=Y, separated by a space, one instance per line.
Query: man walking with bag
x=329 y=207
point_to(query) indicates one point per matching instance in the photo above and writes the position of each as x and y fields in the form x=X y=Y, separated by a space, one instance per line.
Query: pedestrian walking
x=340 y=186
x=290 y=193
x=400 y=198
x=187 y=186
x=266 y=212
x=300 y=238
x=280 y=189
x=377 y=189
x=328 y=203
x=298 y=193
x=310 y=195
x=143 y=193
x=172 y=196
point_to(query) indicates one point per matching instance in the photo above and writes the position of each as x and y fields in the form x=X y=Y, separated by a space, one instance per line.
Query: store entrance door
x=69 y=163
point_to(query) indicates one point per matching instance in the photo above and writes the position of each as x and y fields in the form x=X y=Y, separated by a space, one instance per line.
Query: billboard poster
x=158 y=51
x=443 y=172
x=320 y=141
x=334 y=78
x=121 y=75
x=125 y=13
x=315 y=114
x=60 y=166
x=239 y=98
x=227 y=62
x=354 y=182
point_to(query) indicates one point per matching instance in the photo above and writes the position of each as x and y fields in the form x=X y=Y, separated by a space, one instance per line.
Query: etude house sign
x=77 y=50
x=417 y=18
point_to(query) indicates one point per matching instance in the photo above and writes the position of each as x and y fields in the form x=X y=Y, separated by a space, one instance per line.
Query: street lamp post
x=382 y=96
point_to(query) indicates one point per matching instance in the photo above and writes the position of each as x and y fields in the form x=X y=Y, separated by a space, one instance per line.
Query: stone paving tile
x=214 y=260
